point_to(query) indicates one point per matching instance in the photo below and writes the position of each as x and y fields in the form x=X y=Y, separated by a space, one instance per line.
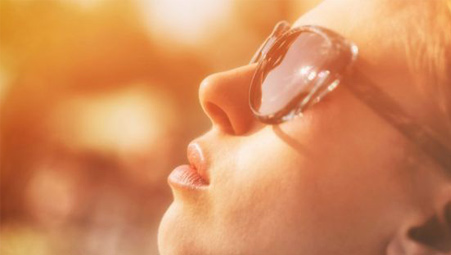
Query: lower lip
x=186 y=177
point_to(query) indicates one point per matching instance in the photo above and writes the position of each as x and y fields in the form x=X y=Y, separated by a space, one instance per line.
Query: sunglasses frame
x=363 y=88
x=324 y=80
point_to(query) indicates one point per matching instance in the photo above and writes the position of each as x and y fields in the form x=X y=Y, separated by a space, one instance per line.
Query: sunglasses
x=298 y=67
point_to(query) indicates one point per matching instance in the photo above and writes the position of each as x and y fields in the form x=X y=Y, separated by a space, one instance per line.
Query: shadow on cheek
x=290 y=140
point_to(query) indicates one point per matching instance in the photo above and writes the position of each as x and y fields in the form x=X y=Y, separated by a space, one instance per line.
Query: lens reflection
x=289 y=71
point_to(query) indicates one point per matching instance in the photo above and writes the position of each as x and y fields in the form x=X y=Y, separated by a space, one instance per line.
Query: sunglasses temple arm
x=387 y=108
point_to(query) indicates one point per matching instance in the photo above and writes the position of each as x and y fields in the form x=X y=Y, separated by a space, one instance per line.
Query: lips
x=194 y=175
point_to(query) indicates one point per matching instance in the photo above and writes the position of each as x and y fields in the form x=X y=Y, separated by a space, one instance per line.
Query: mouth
x=194 y=175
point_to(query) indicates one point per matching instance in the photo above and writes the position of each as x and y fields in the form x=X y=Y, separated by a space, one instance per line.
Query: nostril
x=219 y=117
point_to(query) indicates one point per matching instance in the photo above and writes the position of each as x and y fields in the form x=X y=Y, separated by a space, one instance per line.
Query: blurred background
x=98 y=101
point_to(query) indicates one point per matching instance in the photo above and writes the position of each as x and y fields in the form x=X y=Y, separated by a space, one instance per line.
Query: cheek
x=314 y=180
x=263 y=193
x=352 y=179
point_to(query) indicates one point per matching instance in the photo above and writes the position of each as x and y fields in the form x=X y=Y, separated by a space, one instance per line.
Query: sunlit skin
x=338 y=180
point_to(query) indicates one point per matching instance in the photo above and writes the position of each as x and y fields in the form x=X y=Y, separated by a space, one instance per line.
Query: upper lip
x=197 y=160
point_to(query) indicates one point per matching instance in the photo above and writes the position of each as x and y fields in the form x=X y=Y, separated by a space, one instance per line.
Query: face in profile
x=282 y=172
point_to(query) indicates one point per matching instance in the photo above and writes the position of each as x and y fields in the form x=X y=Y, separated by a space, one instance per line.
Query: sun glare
x=186 y=20
x=85 y=4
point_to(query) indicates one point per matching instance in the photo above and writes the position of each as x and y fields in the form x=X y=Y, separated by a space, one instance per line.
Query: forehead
x=380 y=28
x=353 y=14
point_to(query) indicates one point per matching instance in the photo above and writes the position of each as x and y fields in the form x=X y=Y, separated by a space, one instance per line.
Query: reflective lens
x=297 y=71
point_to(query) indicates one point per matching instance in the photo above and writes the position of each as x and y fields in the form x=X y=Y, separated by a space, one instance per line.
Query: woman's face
x=330 y=182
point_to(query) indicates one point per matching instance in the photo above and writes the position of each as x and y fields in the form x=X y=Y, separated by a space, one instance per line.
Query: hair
x=428 y=48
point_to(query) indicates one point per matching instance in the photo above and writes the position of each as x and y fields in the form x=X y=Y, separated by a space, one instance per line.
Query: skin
x=338 y=180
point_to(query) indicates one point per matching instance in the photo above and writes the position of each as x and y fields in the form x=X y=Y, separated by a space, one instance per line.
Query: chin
x=166 y=234
x=173 y=236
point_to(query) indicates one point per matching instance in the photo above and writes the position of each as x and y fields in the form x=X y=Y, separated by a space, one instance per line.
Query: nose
x=225 y=99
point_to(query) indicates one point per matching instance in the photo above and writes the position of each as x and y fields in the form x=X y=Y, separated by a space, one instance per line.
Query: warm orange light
x=86 y=4
x=3 y=82
x=130 y=120
x=185 y=20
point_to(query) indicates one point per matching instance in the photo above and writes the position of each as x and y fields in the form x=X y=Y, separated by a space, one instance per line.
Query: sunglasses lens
x=289 y=72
